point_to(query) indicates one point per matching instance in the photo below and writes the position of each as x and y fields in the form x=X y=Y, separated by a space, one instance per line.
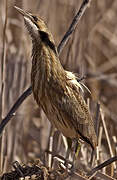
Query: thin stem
x=73 y=25
x=102 y=165
x=14 y=108
x=3 y=62
x=3 y=58
x=107 y=136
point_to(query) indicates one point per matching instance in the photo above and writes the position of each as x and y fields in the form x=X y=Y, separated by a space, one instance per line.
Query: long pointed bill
x=23 y=13
x=29 y=22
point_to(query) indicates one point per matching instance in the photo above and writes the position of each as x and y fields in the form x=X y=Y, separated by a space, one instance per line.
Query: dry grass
x=91 y=51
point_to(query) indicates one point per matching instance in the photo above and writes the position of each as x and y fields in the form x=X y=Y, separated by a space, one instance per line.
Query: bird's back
x=57 y=91
x=69 y=112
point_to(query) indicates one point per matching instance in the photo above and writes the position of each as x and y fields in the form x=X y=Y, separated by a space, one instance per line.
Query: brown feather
x=54 y=89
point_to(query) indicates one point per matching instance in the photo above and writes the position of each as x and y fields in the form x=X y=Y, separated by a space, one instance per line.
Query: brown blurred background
x=91 y=51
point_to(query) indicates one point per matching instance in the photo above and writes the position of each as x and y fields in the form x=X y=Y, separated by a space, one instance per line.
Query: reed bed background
x=91 y=52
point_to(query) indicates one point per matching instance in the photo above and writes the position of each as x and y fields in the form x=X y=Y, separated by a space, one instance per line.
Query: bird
x=56 y=90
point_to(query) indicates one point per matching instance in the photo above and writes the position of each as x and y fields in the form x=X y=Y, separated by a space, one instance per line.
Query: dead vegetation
x=91 y=52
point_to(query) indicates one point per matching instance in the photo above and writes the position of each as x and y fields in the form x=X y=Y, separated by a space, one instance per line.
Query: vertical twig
x=3 y=62
x=50 y=149
x=97 y=118
x=107 y=136
x=2 y=152
x=115 y=142
x=3 y=82
x=99 y=143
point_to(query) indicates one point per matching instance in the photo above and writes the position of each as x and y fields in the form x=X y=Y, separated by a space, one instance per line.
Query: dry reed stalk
x=3 y=68
x=107 y=136
x=3 y=75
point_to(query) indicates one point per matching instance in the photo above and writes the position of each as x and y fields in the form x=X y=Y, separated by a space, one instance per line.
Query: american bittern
x=54 y=89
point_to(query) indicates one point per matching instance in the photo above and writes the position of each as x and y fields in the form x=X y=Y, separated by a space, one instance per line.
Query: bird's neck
x=46 y=68
x=45 y=61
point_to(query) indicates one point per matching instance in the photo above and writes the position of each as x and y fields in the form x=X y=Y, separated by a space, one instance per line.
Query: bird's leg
x=75 y=149
x=68 y=153
x=72 y=152
x=67 y=161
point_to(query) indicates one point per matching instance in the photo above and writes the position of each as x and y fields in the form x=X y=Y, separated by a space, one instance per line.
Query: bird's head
x=36 y=26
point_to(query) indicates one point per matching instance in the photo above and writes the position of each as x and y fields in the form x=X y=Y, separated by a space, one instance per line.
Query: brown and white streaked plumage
x=54 y=89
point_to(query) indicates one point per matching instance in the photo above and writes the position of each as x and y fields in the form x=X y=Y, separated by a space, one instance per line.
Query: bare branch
x=14 y=108
x=73 y=25
x=67 y=35
x=102 y=165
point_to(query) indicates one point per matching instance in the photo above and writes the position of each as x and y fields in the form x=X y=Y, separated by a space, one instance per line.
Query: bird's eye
x=35 y=18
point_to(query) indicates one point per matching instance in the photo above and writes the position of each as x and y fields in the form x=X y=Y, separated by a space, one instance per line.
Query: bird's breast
x=46 y=72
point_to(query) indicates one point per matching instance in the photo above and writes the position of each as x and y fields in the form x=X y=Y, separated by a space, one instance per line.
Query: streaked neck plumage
x=46 y=67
